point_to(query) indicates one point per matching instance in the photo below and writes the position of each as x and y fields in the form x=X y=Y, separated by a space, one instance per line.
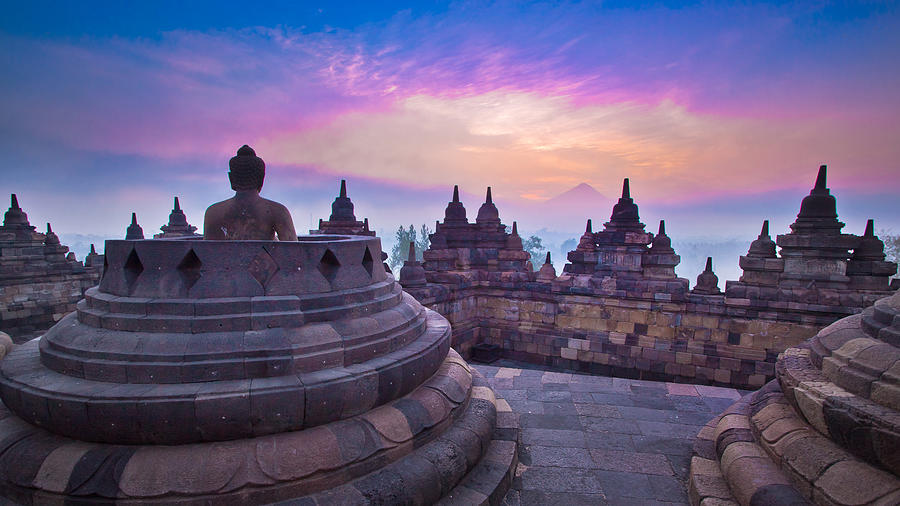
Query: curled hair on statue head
x=247 y=171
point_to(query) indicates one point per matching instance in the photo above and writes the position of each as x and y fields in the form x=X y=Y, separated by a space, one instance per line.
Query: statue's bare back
x=247 y=216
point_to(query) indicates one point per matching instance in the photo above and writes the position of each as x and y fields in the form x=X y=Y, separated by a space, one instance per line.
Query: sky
x=719 y=113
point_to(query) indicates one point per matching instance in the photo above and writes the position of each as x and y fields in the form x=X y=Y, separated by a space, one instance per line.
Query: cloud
x=529 y=145
x=692 y=103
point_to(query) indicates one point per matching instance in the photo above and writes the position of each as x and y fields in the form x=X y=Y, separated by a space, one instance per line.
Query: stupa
x=457 y=245
x=342 y=220
x=39 y=281
x=825 y=431
x=252 y=372
x=819 y=266
x=178 y=225
x=624 y=258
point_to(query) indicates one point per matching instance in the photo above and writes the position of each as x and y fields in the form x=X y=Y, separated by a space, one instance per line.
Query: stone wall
x=619 y=309
x=40 y=280
x=31 y=305
x=703 y=340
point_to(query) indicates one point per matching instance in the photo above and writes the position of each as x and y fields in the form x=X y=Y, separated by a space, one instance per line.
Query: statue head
x=246 y=170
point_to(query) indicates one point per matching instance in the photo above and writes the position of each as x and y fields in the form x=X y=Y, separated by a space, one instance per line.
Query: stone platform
x=597 y=440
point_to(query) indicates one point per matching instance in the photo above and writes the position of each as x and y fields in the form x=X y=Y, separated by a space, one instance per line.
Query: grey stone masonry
x=39 y=281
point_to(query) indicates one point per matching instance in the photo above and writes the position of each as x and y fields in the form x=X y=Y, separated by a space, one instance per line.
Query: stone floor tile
x=581 y=396
x=599 y=424
x=525 y=406
x=681 y=464
x=506 y=372
x=560 y=408
x=652 y=401
x=725 y=393
x=587 y=378
x=505 y=383
x=527 y=382
x=510 y=395
x=609 y=441
x=557 y=479
x=692 y=404
x=668 y=488
x=636 y=413
x=652 y=428
x=631 y=462
x=589 y=386
x=488 y=371
x=553 y=437
x=691 y=418
x=555 y=456
x=717 y=404
x=614 y=399
x=620 y=484
x=538 y=498
x=556 y=377
x=681 y=389
x=598 y=410
x=548 y=395
x=663 y=445
x=546 y=421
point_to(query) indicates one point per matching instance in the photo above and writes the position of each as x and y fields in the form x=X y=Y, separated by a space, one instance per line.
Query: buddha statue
x=247 y=216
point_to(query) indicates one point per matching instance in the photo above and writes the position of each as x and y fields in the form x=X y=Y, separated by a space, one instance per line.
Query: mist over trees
x=403 y=236
x=891 y=246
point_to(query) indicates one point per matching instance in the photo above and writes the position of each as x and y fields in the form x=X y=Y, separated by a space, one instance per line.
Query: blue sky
x=720 y=113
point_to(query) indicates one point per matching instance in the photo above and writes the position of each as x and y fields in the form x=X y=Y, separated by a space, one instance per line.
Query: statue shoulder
x=276 y=207
x=218 y=207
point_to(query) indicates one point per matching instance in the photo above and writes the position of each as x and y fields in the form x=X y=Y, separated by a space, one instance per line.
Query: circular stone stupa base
x=825 y=431
x=249 y=372
x=440 y=443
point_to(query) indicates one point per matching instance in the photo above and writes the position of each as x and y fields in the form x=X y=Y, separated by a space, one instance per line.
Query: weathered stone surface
x=39 y=282
x=218 y=387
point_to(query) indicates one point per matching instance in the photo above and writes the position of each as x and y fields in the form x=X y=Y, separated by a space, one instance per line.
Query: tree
x=535 y=246
x=891 y=246
x=400 y=251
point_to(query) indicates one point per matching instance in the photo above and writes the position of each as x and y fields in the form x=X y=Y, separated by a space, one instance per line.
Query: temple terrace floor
x=600 y=440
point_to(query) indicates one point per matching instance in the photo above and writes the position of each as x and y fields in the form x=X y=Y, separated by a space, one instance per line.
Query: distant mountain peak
x=582 y=191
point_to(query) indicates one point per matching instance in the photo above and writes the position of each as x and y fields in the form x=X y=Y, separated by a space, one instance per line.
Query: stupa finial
x=765 y=229
x=587 y=228
x=177 y=205
x=709 y=267
x=134 y=231
x=49 y=230
x=455 y=193
x=547 y=260
x=411 y=256
x=93 y=250
x=488 y=198
x=14 y=202
x=662 y=227
x=343 y=188
x=820 y=179
x=515 y=230
x=870 y=229
x=626 y=190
